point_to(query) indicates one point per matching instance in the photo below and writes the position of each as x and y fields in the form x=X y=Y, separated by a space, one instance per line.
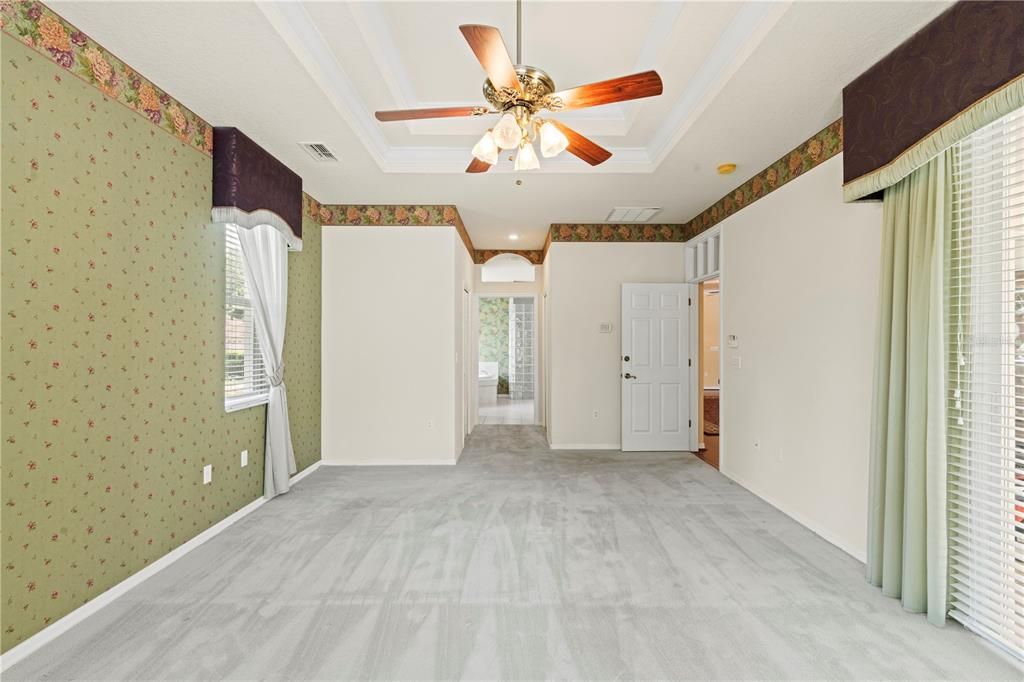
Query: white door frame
x=476 y=350
x=720 y=276
x=468 y=362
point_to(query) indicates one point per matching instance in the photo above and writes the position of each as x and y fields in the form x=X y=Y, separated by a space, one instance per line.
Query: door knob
x=627 y=375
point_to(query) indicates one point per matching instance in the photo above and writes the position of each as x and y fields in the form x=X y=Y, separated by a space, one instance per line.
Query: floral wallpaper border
x=46 y=32
x=814 y=151
x=618 y=232
x=389 y=215
x=481 y=256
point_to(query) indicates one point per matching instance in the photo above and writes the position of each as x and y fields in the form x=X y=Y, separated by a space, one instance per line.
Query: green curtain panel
x=907 y=540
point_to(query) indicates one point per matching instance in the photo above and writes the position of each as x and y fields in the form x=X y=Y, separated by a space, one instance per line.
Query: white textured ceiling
x=744 y=83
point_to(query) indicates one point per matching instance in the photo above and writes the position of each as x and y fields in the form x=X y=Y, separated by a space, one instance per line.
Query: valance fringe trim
x=991 y=108
x=246 y=219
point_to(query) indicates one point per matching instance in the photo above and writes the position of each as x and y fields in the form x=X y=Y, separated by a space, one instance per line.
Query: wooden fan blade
x=646 y=84
x=439 y=112
x=583 y=147
x=478 y=166
x=490 y=51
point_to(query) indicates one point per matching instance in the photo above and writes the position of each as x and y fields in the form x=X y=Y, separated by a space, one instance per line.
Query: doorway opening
x=709 y=360
x=507 y=351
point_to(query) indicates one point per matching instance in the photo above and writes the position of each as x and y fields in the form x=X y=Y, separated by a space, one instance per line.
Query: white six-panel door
x=657 y=370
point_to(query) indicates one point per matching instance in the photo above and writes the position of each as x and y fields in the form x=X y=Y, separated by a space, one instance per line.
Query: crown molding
x=738 y=41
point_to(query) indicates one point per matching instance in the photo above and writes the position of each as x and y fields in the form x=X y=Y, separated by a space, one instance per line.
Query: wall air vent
x=319 y=151
x=632 y=214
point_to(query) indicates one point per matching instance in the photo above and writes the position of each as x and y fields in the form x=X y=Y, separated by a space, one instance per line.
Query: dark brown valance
x=251 y=187
x=967 y=55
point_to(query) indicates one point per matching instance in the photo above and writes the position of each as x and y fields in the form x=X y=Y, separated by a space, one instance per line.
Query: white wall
x=799 y=290
x=514 y=288
x=465 y=367
x=584 y=283
x=545 y=344
x=390 y=330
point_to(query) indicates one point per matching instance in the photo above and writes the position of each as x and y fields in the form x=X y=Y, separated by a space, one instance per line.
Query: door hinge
x=689 y=423
x=689 y=301
x=689 y=362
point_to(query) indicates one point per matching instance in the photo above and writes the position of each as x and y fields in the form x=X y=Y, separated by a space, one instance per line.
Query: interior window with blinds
x=245 y=381
x=986 y=384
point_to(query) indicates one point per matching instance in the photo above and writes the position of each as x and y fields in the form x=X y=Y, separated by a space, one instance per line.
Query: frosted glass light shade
x=486 y=149
x=507 y=134
x=526 y=159
x=552 y=141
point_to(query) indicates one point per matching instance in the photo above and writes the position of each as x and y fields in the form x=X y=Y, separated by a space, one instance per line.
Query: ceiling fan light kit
x=526 y=159
x=552 y=141
x=508 y=134
x=486 y=149
x=518 y=92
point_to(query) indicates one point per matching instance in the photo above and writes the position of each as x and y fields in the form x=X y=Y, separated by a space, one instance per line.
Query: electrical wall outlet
x=430 y=423
x=207 y=473
x=245 y=458
x=595 y=414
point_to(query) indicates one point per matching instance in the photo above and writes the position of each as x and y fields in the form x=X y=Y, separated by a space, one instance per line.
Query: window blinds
x=986 y=384
x=245 y=381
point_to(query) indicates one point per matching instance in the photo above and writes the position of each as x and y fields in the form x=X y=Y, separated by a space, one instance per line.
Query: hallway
x=507 y=411
x=521 y=563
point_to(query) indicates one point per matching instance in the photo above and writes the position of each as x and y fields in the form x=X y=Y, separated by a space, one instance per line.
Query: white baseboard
x=584 y=446
x=858 y=553
x=305 y=472
x=390 y=463
x=59 y=627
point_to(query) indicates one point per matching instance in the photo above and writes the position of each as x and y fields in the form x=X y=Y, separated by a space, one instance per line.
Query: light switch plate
x=605 y=328
x=245 y=458
x=207 y=473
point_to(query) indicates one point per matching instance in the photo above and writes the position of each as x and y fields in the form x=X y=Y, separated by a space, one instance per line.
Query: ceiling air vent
x=319 y=151
x=632 y=214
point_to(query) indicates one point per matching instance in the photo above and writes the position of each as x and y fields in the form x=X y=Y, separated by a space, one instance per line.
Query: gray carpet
x=519 y=563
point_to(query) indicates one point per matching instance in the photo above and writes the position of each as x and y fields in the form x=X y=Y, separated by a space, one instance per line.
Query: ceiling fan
x=518 y=92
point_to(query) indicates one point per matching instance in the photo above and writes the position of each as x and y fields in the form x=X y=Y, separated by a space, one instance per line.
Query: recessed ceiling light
x=726 y=168
x=513 y=236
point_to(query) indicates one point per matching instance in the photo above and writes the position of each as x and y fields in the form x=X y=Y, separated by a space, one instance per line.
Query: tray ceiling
x=744 y=83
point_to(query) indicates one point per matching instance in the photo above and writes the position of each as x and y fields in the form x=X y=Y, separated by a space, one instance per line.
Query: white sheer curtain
x=265 y=257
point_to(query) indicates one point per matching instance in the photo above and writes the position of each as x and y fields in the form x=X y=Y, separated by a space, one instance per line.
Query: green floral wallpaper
x=112 y=346
x=494 y=337
x=302 y=345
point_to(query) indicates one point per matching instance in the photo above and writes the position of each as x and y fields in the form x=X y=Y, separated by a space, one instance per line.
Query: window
x=245 y=381
x=986 y=384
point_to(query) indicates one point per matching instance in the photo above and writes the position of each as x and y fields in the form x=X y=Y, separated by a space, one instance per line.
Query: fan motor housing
x=537 y=85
